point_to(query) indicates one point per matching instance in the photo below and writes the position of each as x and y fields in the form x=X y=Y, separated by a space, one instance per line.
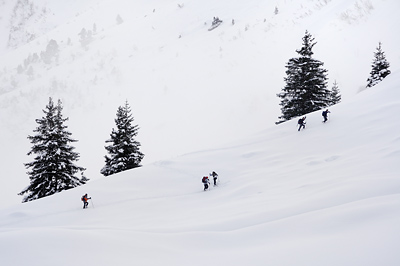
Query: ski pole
x=91 y=202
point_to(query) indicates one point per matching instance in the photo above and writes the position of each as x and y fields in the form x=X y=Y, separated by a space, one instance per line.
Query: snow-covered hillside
x=328 y=195
x=189 y=88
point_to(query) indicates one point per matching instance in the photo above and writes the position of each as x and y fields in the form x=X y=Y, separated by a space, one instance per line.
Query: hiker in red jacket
x=206 y=182
x=85 y=201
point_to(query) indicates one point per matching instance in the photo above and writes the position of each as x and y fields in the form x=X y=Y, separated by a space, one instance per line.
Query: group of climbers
x=302 y=121
x=206 y=181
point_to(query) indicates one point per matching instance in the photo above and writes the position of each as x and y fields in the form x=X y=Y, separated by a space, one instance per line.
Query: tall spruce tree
x=380 y=67
x=53 y=169
x=123 y=149
x=306 y=83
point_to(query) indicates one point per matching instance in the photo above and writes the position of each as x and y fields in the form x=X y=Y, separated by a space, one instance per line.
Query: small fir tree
x=53 y=169
x=380 y=67
x=123 y=149
x=335 y=96
x=306 y=83
x=86 y=37
x=52 y=51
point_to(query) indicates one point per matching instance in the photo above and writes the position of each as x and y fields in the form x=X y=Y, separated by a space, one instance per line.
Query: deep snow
x=328 y=195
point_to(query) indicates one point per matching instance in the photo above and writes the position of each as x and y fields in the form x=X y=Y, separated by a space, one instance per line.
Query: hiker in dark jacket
x=325 y=115
x=302 y=123
x=215 y=177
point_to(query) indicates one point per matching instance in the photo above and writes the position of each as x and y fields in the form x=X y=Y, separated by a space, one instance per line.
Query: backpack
x=204 y=180
x=324 y=113
x=300 y=121
x=83 y=198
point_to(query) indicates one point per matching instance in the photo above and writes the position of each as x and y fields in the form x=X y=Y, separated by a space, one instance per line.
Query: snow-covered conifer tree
x=305 y=89
x=52 y=51
x=53 y=169
x=335 y=96
x=380 y=67
x=123 y=149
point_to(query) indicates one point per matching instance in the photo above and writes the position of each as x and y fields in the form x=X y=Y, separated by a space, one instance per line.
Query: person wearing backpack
x=302 y=123
x=85 y=201
x=325 y=115
x=206 y=182
x=215 y=177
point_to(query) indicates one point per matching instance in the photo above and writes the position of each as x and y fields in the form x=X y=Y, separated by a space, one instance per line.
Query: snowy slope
x=189 y=88
x=328 y=195
x=325 y=196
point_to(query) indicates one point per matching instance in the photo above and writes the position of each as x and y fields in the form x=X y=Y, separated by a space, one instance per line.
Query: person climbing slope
x=85 y=200
x=302 y=123
x=206 y=182
x=215 y=177
x=325 y=115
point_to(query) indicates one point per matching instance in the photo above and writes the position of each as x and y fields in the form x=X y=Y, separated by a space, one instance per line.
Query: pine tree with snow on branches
x=306 y=83
x=53 y=169
x=123 y=149
x=335 y=96
x=380 y=67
